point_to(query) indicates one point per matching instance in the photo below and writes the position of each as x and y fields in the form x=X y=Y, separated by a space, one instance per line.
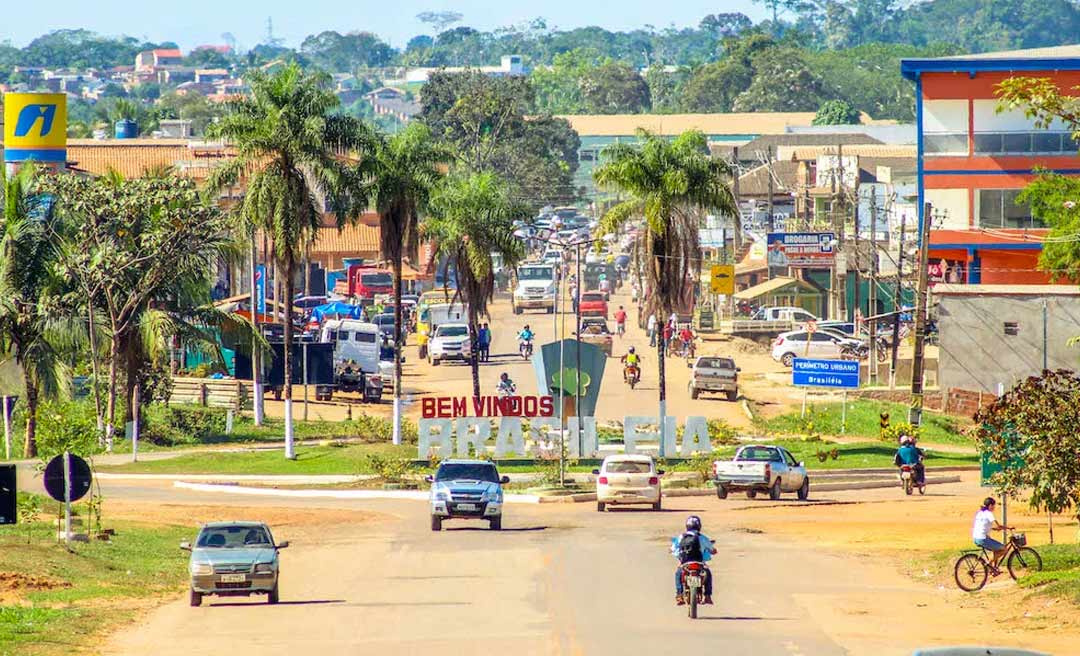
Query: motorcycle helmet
x=904 y=439
x=631 y=349
x=693 y=523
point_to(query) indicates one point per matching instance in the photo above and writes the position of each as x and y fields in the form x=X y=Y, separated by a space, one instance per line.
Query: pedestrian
x=651 y=327
x=669 y=335
x=484 y=342
x=620 y=321
x=573 y=298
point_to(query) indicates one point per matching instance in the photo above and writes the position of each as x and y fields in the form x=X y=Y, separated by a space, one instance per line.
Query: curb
x=319 y=479
x=415 y=495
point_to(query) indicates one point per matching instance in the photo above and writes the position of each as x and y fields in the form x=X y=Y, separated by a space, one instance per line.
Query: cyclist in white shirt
x=984 y=523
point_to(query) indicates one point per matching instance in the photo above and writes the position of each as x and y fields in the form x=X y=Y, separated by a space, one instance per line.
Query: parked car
x=593 y=304
x=467 y=489
x=760 y=468
x=451 y=341
x=785 y=313
x=802 y=344
x=628 y=479
x=234 y=559
x=594 y=330
x=385 y=322
x=713 y=374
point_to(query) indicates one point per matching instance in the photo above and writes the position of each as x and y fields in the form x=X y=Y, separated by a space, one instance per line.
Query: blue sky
x=192 y=22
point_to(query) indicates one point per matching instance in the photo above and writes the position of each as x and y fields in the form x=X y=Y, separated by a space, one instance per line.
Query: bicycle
x=973 y=568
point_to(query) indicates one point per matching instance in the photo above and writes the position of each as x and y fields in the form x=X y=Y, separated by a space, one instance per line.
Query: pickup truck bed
x=757 y=468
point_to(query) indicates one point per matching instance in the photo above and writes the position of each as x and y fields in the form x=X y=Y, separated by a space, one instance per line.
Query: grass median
x=54 y=600
x=863 y=420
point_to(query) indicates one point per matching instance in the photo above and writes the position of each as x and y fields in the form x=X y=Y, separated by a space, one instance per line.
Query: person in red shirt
x=620 y=321
x=669 y=331
x=686 y=336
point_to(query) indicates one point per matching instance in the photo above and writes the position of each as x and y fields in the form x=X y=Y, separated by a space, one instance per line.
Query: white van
x=356 y=343
x=535 y=287
x=785 y=313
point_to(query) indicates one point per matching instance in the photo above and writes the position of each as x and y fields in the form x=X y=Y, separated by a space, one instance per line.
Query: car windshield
x=759 y=454
x=592 y=297
x=377 y=279
x=628 y=467
x=467 y=472
x=534 y=273
x=718 y=363
x=233 y=537
x=384 y=320
x=453 y=331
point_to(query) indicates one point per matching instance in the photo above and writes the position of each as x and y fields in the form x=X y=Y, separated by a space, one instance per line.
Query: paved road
x=559 y=579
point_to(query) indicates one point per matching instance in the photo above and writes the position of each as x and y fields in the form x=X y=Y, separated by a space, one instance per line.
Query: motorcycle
x=507 y=390
x=860 y=352
x=632 y=374
x=693 y=585
x=908 y=480
x=526 y=349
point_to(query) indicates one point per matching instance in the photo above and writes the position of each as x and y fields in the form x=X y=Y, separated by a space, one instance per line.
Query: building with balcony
x=973 y=161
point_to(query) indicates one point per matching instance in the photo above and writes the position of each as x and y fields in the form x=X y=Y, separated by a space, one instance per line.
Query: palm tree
x=291 y=149
x=29 y=285
x=471 y=219
x=670 y=184
x=403 y=171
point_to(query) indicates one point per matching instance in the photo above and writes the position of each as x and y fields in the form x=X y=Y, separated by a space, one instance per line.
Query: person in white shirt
x=651 y=327
x=984 y=523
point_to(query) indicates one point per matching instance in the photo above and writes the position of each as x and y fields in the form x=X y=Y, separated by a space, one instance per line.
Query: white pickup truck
x=758 y=468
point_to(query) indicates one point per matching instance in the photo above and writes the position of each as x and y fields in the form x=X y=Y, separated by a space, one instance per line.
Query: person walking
x=651 y=328
x=483 y=340
x=620 y=321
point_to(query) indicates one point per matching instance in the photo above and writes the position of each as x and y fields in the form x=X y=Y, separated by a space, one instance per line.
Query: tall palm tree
x=402 y=172
x=472 y=219
x=292 y=150
x=29 y=286
x=671 y=185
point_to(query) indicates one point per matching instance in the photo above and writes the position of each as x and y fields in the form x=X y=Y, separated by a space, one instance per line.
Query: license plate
x=693 y=581
x=233 y=578
x=466 y=506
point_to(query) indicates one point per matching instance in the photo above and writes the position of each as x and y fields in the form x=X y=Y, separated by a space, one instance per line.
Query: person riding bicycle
x=693 y=546
x=631 y=359
x=909 y=454
x=620 y=321
x=980 y=532
x=686 y=336
x=506 y=386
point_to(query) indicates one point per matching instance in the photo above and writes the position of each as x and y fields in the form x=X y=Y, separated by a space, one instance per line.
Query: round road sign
x=811 y=327
x=80 y=477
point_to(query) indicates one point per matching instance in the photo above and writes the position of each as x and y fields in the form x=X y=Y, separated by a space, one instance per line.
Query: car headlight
x=264 y=568
x=201 y=569
x=492 y=497
x=442 y=496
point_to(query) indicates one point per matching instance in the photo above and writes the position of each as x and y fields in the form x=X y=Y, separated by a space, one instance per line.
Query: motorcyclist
x=631 y=359
x=525 y=336
x=693 y=546
x=506 y=386
x=909 y=454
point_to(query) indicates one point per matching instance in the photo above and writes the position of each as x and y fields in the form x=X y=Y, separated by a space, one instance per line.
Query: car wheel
x=496 y=523
x=657 y=506
x=751 y=494
x=721 y=492
x=273 y=597
x=774 y=490
x=804 y=490
x=423 y=351
x=694 y=393
x=434 y=362
x=733 y=395
x=196 y=598
x=436 y=523
x=600 y=506
x=788 y=359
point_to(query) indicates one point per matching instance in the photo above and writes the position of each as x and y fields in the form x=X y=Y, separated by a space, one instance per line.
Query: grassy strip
x=354 y=459
x=74 y=596
x=1061 y=572
x=863 y=420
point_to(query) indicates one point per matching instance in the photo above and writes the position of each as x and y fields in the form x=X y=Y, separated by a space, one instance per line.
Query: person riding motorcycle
x=909 y=454
x=631 y=359
x=506 y=386
x=693 y=546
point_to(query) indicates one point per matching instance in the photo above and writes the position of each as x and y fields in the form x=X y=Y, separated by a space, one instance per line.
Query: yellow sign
x=722 y=279
x=35 y=127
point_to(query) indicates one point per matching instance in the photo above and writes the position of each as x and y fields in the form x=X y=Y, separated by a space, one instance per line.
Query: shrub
x=67 y=426
x=894 y=431
x=389 y=469
x=175 y=425
x=721 y=433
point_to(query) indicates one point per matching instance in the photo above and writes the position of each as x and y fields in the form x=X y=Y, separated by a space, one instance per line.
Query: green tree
x=665 y=88
x=782 y=83
x=671 y=185
x=288 y=143
x=472 y=218
x=836 y=112
x=337 y=52
x=1038 y=421
x=715 y=86
x=558 y=88
x=206 y=58
x=404 y=170
x=29 y=291
x=193 y=107
x=726 y=25
x=614 y=88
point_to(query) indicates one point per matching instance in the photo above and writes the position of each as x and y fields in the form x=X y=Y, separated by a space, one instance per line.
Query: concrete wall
x=976 y=353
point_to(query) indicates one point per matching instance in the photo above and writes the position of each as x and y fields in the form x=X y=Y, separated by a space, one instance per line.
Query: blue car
x=467 y=489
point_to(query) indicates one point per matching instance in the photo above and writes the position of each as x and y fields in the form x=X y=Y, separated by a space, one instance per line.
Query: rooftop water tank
x=126 y=129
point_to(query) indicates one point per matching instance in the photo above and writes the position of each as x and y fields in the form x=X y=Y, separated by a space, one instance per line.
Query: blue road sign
x=260 y=289
x=842 y=374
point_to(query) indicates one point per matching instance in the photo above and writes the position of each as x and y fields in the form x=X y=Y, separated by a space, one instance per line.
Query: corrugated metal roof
x=1052 y=52
x=615 y=125
x=1006 y=290
x=801 y=153
x=356 y=240
x=133 y=158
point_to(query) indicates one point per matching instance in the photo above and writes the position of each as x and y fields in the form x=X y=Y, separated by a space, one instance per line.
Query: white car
x=822 y=344
x=451 y=341
x=629 y=479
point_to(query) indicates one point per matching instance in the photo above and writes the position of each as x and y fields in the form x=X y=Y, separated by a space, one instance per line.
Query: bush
x=721 y=433
x=67 y=426
x=175 y=425
x=894 y=431
x=389 y=469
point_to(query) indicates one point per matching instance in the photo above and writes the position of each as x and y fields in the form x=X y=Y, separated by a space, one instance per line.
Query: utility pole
x=577 y=350
x=897 y=300
x=768 y=172
x=737 y=240
x=871 y=309
x=919 y=358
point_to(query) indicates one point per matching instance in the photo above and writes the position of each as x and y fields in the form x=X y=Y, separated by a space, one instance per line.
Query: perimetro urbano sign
x=463 y=426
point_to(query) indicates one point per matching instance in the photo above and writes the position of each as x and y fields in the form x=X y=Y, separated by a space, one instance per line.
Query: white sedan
x=628 y=479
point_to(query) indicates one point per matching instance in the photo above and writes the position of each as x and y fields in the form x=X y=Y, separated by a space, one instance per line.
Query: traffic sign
x=722 y=280
x=80 y=477
x=811 y=327
x=839 y=374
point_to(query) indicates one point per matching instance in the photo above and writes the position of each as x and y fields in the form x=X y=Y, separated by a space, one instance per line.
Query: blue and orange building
x=973 y=161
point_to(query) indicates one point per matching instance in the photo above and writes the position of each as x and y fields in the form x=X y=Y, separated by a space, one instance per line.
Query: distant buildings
x=508 y=65
x=161 y=57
